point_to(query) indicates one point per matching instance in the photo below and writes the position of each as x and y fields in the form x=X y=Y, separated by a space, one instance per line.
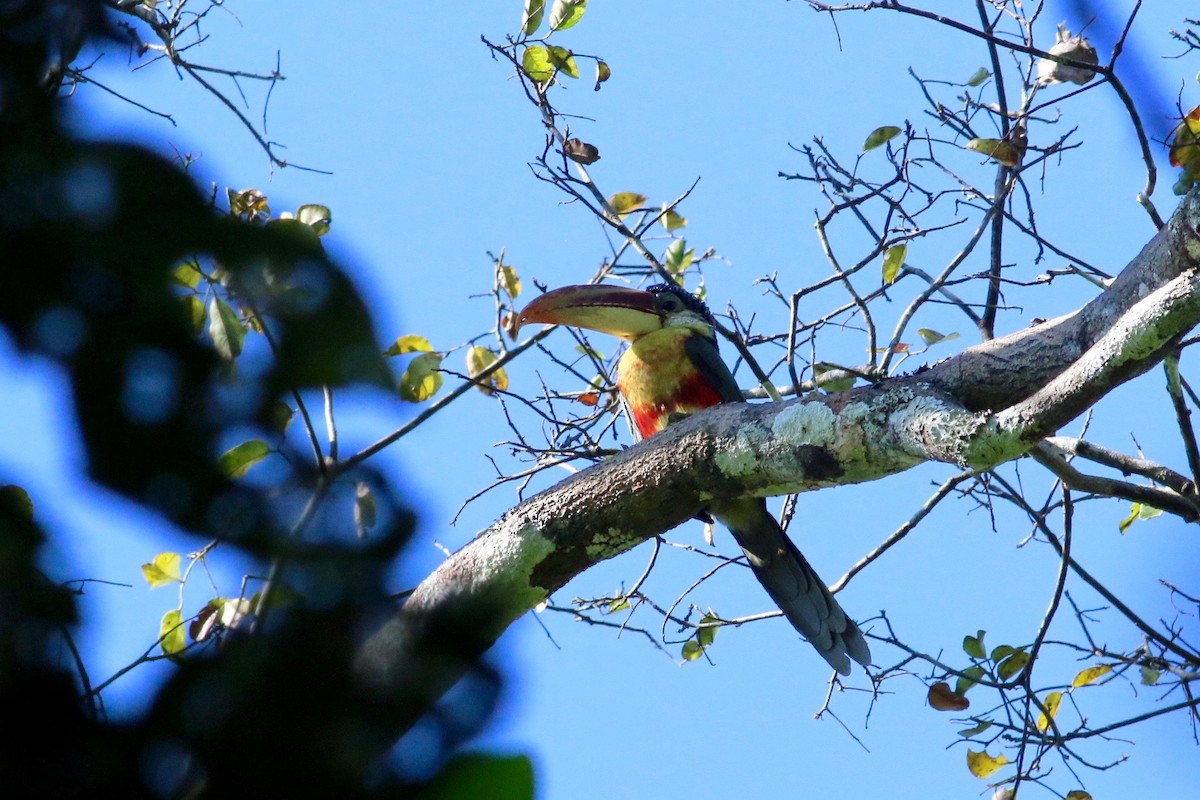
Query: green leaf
x=479 y=359
x=171 y=635
x=705 y=636
x=226 y=329
x=1148 y=512
x=163 y=569
x=1001 y=652
x=979 y=77
x=409 y=343
x=973 y=645
x=879 y=136
x=280 y=416
x=187 y=274
x=1012 y=665
x=832 y=377
x=677 y=259
x=193 y=308
x=624 y=202
x=978 y=729
x=1051 y=703
x=531 y=17
x=237 y=460
x=566 y=14
x=1078 y=794
x=1138 y=511
x=617 y=604
x=603 y=73
x=469 y=776
x=893 y=260
x=316 y=217
x=969 y=679
x=998 y=150
x=692 y=650
x=536 y=63
x=422 y=379
x=1091 y=675
x=671 y=219
x=931 y=337
x=1150 y=675
x=564 y=60
x=982 y=765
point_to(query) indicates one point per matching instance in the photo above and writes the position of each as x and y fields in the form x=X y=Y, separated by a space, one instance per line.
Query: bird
x=672 y=368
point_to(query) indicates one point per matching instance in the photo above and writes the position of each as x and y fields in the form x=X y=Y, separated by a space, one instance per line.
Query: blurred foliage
x=110 y=237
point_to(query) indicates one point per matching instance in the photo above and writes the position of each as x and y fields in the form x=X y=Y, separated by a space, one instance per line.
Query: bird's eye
x=668 y=302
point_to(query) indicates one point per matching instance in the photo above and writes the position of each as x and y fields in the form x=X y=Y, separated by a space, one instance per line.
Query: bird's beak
x=615 y=310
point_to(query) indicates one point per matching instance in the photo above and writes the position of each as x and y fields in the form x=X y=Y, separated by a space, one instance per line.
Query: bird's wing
x=704 y=355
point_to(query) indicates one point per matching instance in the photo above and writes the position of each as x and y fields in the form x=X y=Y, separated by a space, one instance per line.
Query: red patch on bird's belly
x=692 y=394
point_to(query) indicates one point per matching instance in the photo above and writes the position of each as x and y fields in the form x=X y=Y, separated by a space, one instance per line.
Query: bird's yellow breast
x=657 y=378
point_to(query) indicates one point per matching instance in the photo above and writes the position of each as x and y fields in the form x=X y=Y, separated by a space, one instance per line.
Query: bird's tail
x=793 y=584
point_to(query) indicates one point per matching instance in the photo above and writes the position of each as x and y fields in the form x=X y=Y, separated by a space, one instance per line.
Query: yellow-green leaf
x=566 y=14
x=1091 y=675
x=1001 y=652
x=967 y=733
x=280 y=416
x=973 y=645
x=531 y=17
x=832 y=377
x=932 y=337
x=692 y=650
x=1078 y=794
x=982 y=765
x=879 y=136
x=226 y=329
x=510 y=281
x=1012 y=665
x=1051 y=703
x=237 y=460
x=422 y=379
x=171 y=635
x=617 y=604
x=968 y=679
x=163 y=569
x=671 y=219
x=479 y=359
x=187 y=274
x=893 y=260
x=1138 y=511
x=996 y=149
x=603 y=73
x=563 y=60
x=624 y=202
x=678 y=258
x=536 y=63
x=704 y=635
x=193 y=307
x=315 y=216
x=1150 y=675
x=979 y=77
x=409 y=343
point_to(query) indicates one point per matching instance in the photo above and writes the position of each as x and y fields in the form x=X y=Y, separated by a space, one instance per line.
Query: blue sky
x=428 y=139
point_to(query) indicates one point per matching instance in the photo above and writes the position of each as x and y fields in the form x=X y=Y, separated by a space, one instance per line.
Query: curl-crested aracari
x=672 y=368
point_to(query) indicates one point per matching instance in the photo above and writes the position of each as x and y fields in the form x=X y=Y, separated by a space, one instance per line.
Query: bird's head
x=620 y=311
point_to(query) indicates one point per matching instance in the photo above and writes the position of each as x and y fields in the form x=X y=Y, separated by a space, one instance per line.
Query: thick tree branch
x=985 y=406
